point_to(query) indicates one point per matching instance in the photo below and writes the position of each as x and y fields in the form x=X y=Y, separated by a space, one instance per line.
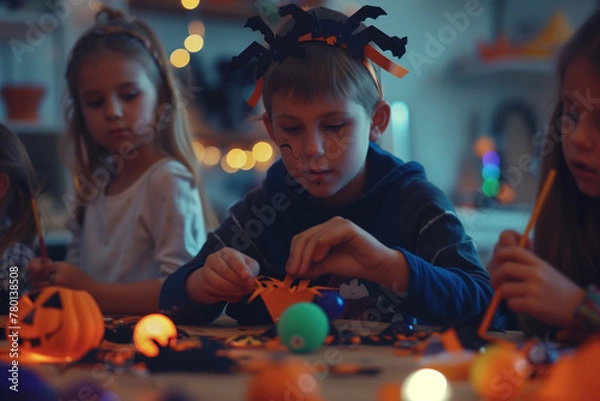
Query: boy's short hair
x=325 y=71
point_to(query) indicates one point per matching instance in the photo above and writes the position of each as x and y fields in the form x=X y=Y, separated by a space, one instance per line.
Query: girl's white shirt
x=147 y=231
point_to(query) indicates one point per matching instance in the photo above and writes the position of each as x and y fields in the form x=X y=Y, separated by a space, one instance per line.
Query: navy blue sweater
x=447 y=284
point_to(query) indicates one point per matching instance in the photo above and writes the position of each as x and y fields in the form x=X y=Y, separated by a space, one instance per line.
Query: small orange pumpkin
x=285 y=379
x=59 y=324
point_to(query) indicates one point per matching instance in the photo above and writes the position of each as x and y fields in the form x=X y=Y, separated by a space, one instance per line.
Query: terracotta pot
x=23 y=101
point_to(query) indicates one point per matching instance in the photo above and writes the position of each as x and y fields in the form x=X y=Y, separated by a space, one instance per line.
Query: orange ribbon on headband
x=370 y=54
x=310 y=27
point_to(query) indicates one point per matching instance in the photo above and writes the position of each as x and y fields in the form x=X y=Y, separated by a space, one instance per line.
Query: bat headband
x=310 y=28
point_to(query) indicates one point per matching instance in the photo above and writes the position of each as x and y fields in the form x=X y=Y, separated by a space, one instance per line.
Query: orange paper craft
x=279 y=295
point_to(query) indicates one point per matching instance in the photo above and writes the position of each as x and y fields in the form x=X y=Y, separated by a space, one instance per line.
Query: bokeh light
x=490 y=171
x=199 y=150
x=506 y=194
x=261 y=167
x=483 y=145
x=190 y=4
x=490 y=187
x=250 y=162
x=491 y=157
x=227 y=167
x=194 y=43
x=426 y=385
x=179 y=58
x=262 y=151
x=236 y=158
x=212 y=156
x=153 y=328
x=196 y=27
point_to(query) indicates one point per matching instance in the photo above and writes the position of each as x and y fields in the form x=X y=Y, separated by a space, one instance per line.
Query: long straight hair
x=133 y=39
x=567 y=233
x=15 y=163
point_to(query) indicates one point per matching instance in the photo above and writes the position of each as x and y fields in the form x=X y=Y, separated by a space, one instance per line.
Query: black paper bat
x=282 y=46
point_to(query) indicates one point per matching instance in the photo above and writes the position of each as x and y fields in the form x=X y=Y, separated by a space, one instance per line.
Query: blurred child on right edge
x=336 y=209
x=555 y=284
x=17 y=223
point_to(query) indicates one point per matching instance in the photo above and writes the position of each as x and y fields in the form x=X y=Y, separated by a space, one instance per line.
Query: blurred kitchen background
x=480 y=90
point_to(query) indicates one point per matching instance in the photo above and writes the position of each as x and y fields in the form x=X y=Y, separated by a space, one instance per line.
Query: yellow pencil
x=487 y=319
x=38 y=227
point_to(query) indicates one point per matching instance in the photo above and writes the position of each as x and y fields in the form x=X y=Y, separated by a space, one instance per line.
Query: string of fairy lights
x=260 y=156
x=492 y=185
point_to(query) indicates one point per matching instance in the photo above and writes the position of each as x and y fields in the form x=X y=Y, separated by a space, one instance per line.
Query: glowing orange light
x=506 y=194
x=483 y=145
x=498 y=364
x=154 y=327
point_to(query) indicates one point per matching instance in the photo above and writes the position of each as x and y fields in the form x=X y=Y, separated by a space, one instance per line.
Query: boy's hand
x=530 y=285
x=227 y=275
x=339 y=247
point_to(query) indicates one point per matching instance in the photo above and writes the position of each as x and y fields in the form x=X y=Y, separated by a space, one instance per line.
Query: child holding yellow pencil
x=554 y=282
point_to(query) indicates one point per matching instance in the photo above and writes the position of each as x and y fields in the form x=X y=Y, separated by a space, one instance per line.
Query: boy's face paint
x=323 y=145
x=286 y=145
x=581 y=125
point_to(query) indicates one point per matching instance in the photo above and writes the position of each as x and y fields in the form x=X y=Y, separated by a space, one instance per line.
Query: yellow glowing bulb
x=212 y=156
x=262 y=151
x=179 y=58
x=250 y=162
x=194 y=43
x=190 y=4
x=426 y=385
x=227 y=167
x=199 y=150
x=154 y=327
x=236 y=158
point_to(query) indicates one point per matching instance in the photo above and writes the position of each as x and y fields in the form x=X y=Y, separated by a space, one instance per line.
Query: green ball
x=303 y=327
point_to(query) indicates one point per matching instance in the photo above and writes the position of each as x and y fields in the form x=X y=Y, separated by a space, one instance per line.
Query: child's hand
x=68 y=275
x=532 y=286
x=511 y=238
x=38 y=273
x=227 y=275
x=339 y=247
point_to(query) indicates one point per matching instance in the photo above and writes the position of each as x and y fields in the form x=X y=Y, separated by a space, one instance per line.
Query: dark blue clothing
x=400 y=208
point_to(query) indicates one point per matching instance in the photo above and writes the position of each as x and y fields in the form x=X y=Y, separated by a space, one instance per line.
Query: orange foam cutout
x=279 y=295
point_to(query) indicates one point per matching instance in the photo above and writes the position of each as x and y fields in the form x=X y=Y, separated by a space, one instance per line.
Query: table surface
x=134 y=386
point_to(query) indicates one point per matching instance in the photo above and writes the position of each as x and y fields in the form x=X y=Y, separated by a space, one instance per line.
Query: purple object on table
x=331 y=302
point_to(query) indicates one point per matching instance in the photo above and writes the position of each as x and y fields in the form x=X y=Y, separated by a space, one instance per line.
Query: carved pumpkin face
x=58 y=323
